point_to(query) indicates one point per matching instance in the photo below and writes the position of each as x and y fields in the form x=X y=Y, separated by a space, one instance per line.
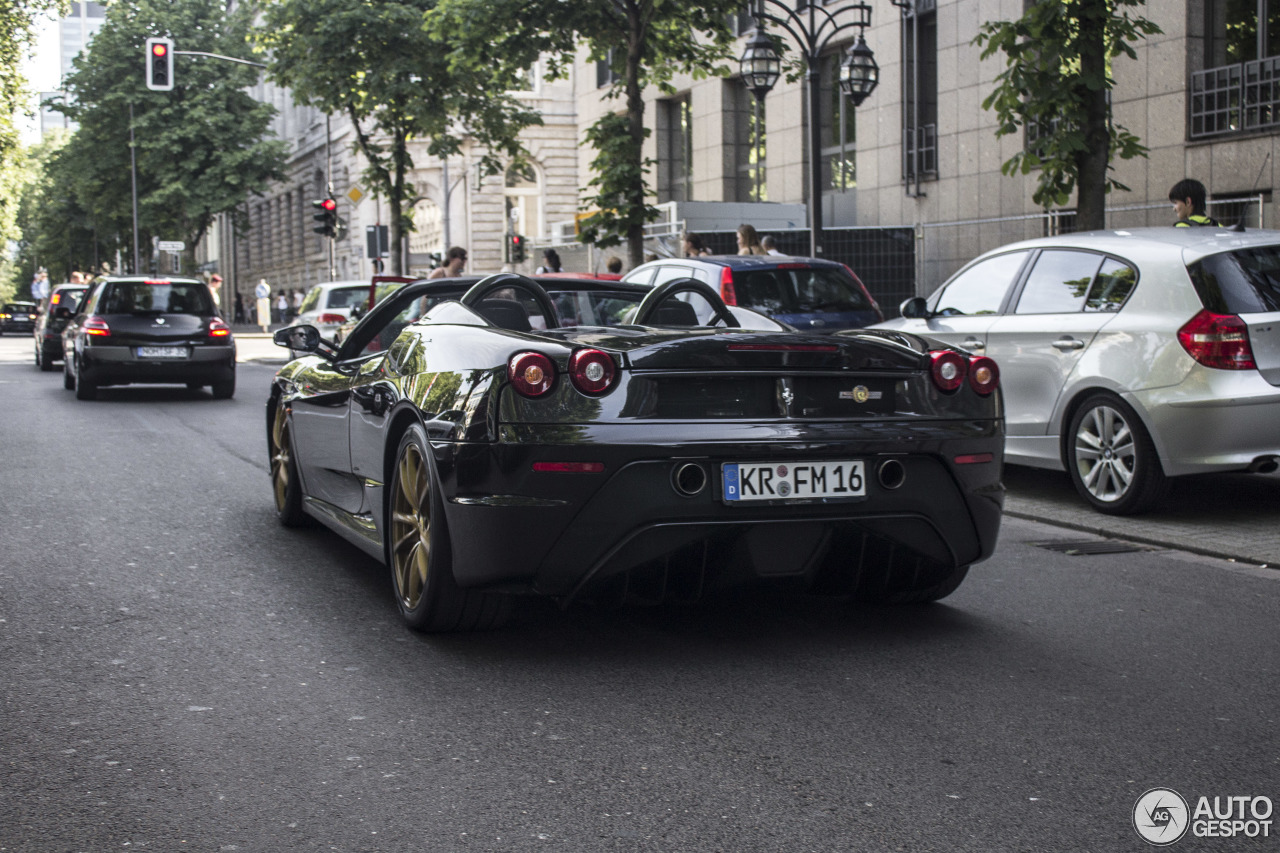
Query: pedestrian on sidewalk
x=215 y=290
x=749 y=241
x=454 y=261
x=1188 y=197
x=263 y=294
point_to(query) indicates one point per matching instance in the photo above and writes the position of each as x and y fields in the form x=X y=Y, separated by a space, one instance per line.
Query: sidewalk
x=1230 y=516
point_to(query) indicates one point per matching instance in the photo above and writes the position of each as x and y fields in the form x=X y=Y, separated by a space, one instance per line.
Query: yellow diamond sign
x=355 y=194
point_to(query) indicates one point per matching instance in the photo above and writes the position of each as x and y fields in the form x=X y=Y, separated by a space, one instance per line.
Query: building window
x=522 y=194
x=675 y=149
x=1239 y=88
x=920 y=94
x=745 y=137
x=839 y=129
x=605 y=75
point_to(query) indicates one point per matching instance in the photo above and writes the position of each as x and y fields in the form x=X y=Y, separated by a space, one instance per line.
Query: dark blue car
x=808 y=294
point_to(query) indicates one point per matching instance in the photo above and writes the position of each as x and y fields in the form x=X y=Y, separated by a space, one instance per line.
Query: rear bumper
x=1216 y=420
x=559 y=534
x=106 y=365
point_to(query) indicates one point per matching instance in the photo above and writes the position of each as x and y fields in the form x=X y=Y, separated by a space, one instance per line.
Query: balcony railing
x=1235 y=98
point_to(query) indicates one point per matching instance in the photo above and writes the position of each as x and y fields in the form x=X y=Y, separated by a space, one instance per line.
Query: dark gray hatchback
x=150 y=330
x=807 y=294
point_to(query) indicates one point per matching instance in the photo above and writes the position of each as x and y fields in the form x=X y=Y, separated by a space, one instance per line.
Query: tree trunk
x=1092 y=163
x=397 y=204
x=635 y=128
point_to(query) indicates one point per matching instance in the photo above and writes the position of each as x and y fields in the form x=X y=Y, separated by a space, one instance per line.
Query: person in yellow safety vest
x=1188 y=197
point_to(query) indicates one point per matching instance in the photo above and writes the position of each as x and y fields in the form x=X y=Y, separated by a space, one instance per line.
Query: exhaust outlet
x=891 y=474
x=688 y=479
x=1264 y=465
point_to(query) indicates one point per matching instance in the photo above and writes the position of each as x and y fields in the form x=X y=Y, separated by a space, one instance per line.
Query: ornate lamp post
x=813 y=28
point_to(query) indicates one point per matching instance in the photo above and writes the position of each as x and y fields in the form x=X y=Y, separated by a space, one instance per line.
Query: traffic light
x=160 y=64
x=326 y=215
x=515 y=248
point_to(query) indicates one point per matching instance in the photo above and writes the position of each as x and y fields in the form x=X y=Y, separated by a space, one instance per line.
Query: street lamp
x=760 y=66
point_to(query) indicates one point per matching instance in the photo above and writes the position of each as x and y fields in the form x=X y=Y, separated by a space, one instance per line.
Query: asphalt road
x=177 y=672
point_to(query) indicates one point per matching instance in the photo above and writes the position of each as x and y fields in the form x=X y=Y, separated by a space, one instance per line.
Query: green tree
x=201 y=148
x=17 y=22
x=373 y=63
x=645 y=42
x=1055 y=86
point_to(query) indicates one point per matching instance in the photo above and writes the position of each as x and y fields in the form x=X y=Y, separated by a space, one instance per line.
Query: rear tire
x=225 y=389
x=85 y=389
x=418 y=553
x=1111 y=458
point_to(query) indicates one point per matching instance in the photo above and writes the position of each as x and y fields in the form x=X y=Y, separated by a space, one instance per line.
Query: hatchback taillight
x=727 y=293
x=95 y=325
x=331 y=319
x=532 y=374
x=219 y=329
x=948 y=369
x=1218 y=340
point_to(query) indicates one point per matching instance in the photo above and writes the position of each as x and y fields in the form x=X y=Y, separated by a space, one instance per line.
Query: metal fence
x=944 y=247
x=896 y=263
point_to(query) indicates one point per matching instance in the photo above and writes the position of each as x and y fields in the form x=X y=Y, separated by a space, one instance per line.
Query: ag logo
x=1160 y=816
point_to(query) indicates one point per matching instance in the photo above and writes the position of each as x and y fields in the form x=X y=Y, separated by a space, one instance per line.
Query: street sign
x=377 y=242
x=171 y=246
x=355 y=194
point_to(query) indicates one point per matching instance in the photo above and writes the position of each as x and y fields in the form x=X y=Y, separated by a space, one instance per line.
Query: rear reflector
x=569 y=467
x=974 y=458
x=783 y=348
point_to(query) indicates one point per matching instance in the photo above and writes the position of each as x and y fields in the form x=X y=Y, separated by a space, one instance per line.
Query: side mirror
x=298 y=338
x=915 y=308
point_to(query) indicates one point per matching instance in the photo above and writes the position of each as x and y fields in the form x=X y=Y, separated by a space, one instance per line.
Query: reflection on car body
x=574 y=439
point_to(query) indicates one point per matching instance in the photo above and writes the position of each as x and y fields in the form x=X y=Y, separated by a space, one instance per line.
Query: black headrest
x=505 y=314
x=673 y=312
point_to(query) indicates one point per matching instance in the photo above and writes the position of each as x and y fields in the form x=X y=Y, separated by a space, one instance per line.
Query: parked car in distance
x=18 y=317
x=328 y=305
x=48 y=332
x=1126 y=357
x=589 y=439
x=149 y=330
x=807 y=294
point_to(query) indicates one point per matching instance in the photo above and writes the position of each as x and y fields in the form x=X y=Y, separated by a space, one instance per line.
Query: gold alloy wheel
x=280 y=447
x=411 y=527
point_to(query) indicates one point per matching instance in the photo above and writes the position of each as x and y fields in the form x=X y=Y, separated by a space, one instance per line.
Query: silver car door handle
x=1065 y=344
x=974 y=344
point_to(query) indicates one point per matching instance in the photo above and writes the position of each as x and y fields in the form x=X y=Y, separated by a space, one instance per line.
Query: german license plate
x=162 y=352
x=788 y=481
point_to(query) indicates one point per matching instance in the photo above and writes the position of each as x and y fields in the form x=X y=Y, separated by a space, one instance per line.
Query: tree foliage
x=18 y=23
x=201 y=149
x=373 y=63
x=645 y=42
x=1055 y=86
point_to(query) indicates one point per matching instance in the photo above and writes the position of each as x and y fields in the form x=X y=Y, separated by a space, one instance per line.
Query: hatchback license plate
x=162 y=352
x=789 y=481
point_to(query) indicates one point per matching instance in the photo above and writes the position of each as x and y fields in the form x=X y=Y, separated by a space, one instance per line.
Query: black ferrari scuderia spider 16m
x=578 y=438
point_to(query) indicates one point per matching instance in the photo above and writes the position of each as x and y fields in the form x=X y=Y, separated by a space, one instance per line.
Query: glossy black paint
x=765 y=397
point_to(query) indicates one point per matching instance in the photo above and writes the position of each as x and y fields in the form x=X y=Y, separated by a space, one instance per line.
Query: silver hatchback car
x=1126 y=357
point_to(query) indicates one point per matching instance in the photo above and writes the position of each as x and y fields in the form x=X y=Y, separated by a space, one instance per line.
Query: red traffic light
x=329 y=204
x=160 y=49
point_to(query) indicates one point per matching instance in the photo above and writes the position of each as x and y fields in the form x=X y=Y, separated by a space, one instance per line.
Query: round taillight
x=984 y=375
x=532 y=374
x=948 y=369
x=592 y=371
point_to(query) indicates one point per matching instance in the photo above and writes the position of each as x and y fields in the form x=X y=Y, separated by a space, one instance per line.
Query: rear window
x=18 y=308
x=164 y=297
x=67 y=298
x=798 y=290
x=347 y=297
x=1246 y=281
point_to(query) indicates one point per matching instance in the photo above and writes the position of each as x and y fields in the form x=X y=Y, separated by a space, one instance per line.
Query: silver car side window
x=981 y=288
x=1059 y=282
x=1112 y=287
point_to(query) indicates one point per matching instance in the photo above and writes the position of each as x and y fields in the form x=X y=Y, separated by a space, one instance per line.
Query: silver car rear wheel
x=1113 y=462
